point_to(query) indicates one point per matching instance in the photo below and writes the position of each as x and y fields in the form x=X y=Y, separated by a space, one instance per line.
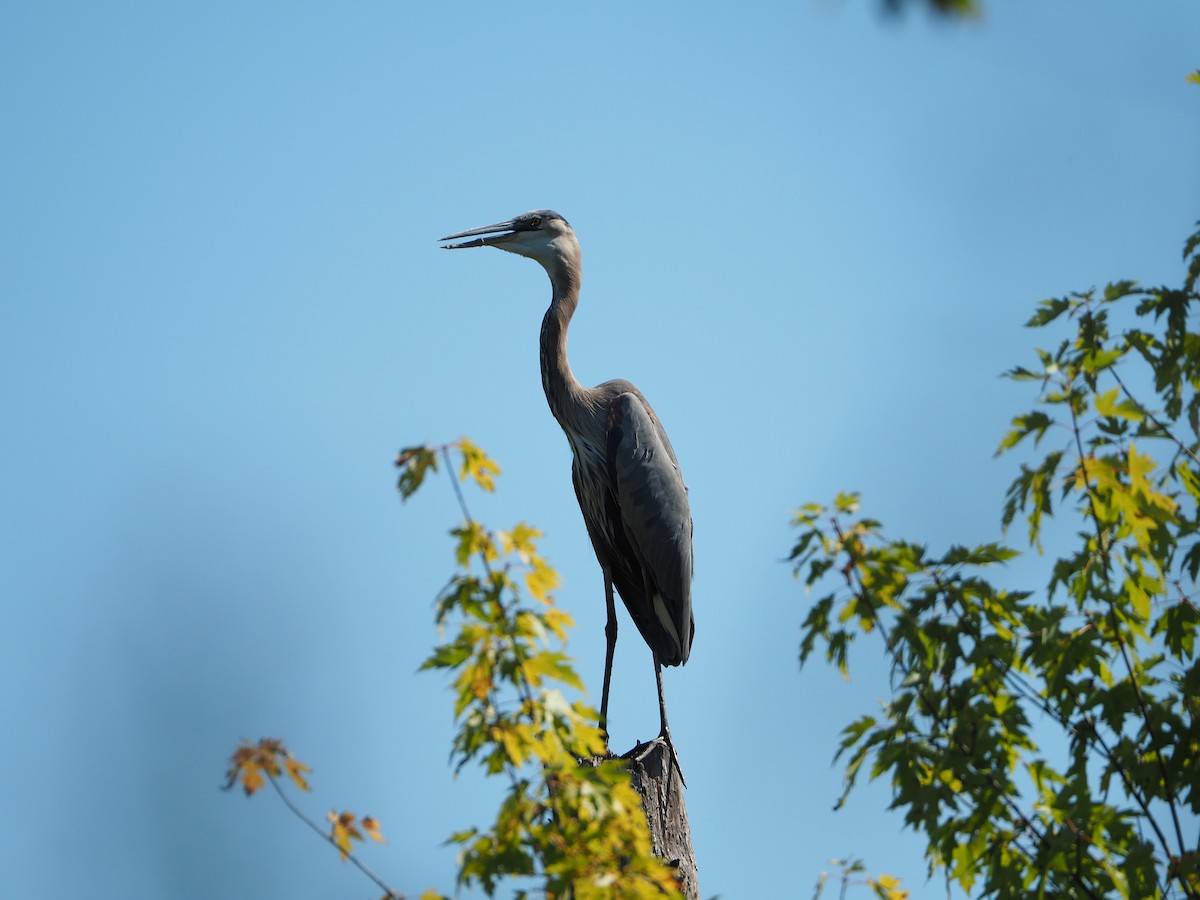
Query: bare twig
x=1149 y=415
x=299 y=813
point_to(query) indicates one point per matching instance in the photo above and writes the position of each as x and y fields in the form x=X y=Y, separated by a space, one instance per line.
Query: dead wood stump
x=660 y=786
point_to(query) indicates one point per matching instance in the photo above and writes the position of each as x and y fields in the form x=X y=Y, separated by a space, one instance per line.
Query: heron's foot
x=666 y=736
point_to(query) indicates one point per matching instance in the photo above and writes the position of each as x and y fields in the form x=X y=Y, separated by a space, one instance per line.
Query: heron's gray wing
x=656 y=518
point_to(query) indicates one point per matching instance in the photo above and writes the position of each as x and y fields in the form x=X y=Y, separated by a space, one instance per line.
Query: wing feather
x=656 y=519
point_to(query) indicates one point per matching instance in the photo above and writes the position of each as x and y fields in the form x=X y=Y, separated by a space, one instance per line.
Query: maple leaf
x=541 y=580
x=371 y=826
x=888 y=886
x=295 y=770
x=253 y=764
x=477 y=465
x=344 y=830
x=414 y=464
x=252 y=778
x=268 y=752
x=249 y=763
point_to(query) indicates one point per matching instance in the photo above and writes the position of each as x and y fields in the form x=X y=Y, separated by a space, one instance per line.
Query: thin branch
x=521 y=681
x=1102 y=550
x=523 y=686
x=1091 y=737
x=523 y=689
x=388 y=892
x=1149 y=415
x=462 y=501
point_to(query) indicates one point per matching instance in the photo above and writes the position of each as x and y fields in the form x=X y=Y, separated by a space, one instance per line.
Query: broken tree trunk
x=660 y=786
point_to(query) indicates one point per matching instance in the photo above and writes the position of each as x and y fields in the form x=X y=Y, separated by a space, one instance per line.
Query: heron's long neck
x=564 y=393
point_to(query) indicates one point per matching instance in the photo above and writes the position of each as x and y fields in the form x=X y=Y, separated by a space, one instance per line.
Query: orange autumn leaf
x=295 y=770
x=371 y=826
x=253 y=764
x=249 y=764
x=252 y=778
x=344 y=830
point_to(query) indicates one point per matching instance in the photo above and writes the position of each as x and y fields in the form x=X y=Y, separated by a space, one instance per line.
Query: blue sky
x=811 y=234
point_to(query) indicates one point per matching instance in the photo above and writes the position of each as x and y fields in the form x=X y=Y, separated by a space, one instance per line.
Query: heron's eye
x=535 y=222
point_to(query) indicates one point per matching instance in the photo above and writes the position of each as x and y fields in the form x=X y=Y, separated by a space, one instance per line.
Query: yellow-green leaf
x=888 y=887
x=522 y=539
x=343 y=830
x=541 y=580
x=1140 y=468
x=1110 y=404
x=557 y=621
x=296 y=770
x=477 y=465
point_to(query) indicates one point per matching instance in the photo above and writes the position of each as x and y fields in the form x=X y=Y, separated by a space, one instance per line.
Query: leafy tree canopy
x=1104 y=655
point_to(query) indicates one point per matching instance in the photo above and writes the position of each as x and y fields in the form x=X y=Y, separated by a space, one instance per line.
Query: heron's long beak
x=492 y=238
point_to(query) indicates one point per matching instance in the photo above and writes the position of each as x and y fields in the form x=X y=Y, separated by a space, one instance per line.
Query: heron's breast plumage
x=591 y=470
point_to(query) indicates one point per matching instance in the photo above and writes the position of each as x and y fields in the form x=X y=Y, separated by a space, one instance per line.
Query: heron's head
x=540 y=234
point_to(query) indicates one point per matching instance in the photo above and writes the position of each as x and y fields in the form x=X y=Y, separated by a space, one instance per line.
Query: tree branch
x=388 y=892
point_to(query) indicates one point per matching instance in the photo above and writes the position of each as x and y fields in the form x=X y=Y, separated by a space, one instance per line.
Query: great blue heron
x=626 y=476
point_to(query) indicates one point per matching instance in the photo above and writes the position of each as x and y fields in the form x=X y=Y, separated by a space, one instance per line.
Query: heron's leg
x=665 y=732
x=610 y=635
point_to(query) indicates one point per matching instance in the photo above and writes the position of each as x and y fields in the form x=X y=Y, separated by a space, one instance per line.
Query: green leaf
x=1192 y=257
x=1048 y=311
x=550 y=665
x=1110 y=404
x=847 y=504
x=1020 y=373
x=984 y=554
x=1179 y=625
x=1034 y=423
x=1116 y=290
x=447 y=656
x=414 y=463
x=1098 y=360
